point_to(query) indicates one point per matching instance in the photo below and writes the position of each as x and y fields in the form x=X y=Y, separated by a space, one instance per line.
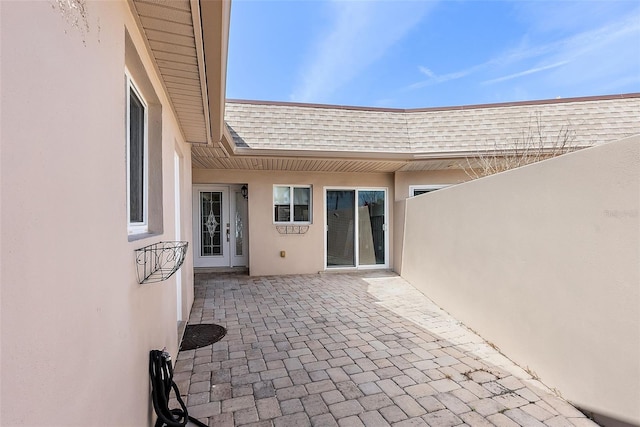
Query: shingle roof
x=296 y=127
x=305 y=127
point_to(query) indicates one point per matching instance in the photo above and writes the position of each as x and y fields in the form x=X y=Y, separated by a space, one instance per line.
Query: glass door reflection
x=340 y=228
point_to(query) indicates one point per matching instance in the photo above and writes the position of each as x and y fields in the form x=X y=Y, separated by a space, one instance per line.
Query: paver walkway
x=350 y=350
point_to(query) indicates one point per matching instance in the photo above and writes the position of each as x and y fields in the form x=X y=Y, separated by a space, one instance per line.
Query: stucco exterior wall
x=403 y=181
x=185 y=233
x=76 y=326
x=304 y=252
x=543 y=262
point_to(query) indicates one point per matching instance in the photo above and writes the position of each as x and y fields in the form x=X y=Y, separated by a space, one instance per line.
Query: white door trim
x=227 y=227
x=223 y=221
x=177 y=164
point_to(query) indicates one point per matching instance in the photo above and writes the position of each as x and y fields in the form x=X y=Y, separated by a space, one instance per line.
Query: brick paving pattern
x=362 y=349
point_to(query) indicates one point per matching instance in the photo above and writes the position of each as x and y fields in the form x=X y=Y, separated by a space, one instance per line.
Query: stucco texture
x=543 y=262
x=76 y=325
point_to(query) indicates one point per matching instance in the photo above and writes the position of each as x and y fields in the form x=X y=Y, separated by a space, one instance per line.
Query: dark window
x=288 y=199
x=136 y=159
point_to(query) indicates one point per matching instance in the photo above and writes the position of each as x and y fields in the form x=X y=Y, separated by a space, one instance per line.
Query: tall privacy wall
x=543 y=261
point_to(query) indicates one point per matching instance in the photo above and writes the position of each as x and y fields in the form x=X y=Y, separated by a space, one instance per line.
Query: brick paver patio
x=362 y=349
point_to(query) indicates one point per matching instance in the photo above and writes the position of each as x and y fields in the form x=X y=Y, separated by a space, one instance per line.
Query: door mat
x=196 y=336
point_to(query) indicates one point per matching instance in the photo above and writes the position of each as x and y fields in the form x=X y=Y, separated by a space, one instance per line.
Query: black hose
x=161 y=373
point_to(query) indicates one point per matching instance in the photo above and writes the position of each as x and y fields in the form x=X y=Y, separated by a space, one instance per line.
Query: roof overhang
x=242 y=158
x=188 y=42
x=267 y=134
x=230 y=147
x=215 y=16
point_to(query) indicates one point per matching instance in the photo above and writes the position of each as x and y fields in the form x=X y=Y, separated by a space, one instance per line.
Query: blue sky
x=422 y=53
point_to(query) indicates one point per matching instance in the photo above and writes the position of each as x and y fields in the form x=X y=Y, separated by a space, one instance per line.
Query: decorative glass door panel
x=210 y=220
x=239 y=226
x=239 y=240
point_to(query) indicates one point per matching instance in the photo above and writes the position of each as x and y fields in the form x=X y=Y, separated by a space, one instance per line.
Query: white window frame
x=291 y=206
x=430 y=187
x=137 y=227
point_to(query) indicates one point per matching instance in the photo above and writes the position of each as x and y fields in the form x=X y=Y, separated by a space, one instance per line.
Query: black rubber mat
x=196 y=336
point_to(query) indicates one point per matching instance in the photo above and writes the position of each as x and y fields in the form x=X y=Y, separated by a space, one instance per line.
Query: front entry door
x=219 y=222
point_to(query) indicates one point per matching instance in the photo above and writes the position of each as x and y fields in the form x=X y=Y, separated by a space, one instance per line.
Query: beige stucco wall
x=76 y=326
x=305 y=252
x=185 y=233
x=402 y=183
x=543 y=262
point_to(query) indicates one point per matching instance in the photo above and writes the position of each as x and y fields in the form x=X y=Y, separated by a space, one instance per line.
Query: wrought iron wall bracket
x=158 y=262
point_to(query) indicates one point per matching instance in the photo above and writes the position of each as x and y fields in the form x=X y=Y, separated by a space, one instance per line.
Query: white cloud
x=360 y=33
x=427 y=72
x=596 y=59
x=592 y=54
x=525 y=73
x=436 y=79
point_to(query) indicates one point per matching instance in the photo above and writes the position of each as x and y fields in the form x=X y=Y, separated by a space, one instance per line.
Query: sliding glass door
x=371 y=227
x=340 y=228
x=356 y=228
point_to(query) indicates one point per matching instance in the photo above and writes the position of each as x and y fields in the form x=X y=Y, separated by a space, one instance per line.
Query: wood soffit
x=174 y=36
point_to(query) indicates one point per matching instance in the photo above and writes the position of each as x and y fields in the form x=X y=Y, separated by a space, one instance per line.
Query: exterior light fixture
x=244 y=191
